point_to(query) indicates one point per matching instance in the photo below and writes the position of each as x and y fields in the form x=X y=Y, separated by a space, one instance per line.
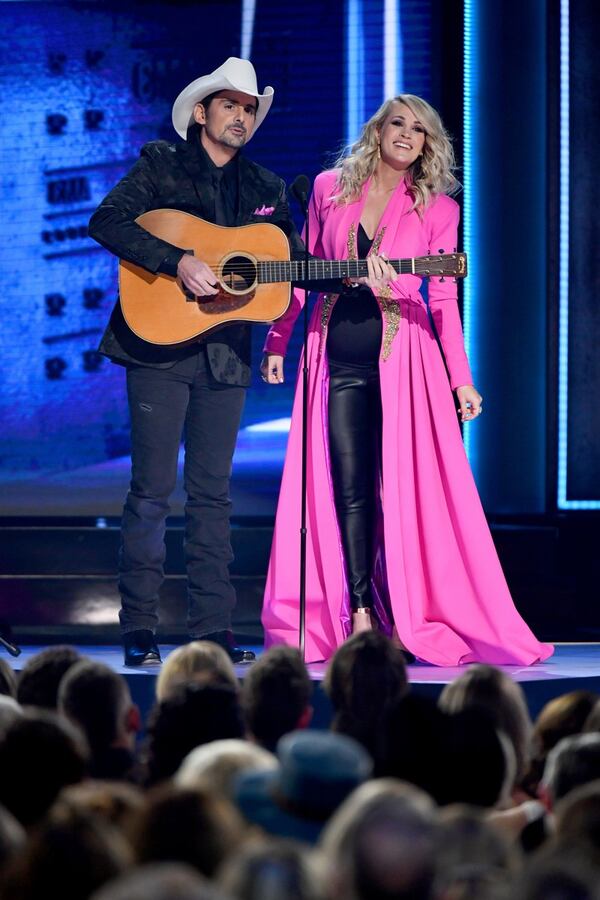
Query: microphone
x=299 y=190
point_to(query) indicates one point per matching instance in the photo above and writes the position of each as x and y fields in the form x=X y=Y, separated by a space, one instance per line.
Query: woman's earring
x=378 y=149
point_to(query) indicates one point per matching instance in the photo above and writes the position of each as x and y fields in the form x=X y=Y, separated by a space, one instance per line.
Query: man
x=199 y=388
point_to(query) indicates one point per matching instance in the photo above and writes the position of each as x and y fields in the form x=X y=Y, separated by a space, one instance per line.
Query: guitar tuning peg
x=441 y=251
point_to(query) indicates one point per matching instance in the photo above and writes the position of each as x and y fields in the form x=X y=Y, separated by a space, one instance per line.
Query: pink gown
x=436 y=574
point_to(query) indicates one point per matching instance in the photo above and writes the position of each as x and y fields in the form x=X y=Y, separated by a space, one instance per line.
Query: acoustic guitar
x=254 y=279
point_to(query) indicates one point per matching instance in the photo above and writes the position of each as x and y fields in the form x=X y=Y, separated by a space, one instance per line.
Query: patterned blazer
x=175 y=176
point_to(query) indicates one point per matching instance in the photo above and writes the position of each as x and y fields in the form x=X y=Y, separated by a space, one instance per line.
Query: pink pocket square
x=264 y=211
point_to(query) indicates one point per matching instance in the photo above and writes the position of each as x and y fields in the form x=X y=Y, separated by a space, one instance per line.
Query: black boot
x=226 y=640
x=141 y=648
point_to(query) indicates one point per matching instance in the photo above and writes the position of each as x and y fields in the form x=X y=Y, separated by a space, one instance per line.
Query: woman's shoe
x=361 y=620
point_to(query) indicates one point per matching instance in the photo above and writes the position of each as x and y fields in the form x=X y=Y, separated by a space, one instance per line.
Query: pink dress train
x=436 y=575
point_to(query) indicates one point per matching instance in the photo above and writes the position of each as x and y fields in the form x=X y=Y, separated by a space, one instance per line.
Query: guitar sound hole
x=239 y=274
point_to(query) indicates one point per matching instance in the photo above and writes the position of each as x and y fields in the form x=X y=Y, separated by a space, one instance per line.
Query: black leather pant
x=354 y=444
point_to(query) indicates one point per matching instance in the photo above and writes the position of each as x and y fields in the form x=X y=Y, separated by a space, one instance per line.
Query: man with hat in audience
x=198 y=387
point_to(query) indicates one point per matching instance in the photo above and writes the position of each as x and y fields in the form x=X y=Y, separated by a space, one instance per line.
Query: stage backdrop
x=84 y=86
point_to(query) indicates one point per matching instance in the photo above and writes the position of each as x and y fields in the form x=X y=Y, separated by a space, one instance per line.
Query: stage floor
x=572 y=667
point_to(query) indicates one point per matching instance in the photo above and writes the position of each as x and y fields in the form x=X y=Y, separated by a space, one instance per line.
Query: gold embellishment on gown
x=390 y=308
x=328 y=301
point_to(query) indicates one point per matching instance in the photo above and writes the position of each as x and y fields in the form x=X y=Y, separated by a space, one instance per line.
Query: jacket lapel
x=199 y=176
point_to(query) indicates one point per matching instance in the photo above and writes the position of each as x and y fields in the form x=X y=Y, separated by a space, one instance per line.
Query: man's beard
x=233 y=140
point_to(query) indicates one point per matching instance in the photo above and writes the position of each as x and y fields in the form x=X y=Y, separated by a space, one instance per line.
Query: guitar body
x=158 y=308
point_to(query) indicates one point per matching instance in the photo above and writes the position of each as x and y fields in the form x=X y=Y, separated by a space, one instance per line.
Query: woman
x=397 y=538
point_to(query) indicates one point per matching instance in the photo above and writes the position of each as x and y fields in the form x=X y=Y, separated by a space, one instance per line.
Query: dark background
x=85 y=84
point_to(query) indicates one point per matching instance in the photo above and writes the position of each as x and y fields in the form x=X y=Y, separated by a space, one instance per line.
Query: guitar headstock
x=453 y=265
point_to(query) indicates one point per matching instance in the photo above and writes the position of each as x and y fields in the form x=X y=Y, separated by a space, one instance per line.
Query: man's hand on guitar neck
x=196 y=276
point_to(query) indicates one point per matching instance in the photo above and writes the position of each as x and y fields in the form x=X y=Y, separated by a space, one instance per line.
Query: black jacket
x=175 y=176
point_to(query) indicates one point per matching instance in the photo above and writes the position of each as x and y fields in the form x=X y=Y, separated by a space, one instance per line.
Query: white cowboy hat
x=236 y=75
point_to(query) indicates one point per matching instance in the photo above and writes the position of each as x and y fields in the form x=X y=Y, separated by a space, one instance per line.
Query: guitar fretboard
x=271 y=271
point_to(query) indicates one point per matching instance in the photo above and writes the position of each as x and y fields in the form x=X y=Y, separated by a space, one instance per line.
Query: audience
x=195 y=827
x=98 y=701
x=559 y=718
x=202 y=662
x=10 y=711
x=215 y=766
x=8 y=680
x=316 y=772
x=403 y=798
x=39 y=755
x=269 y=869
x=365 y=680
x=381 y=844
x=69 y=855
x=193 y=714
x=485 y=687
x=276 y=696
x=161 y=881
x=38 y=682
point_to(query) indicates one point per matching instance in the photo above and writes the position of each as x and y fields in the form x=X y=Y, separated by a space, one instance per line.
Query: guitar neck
x=271 y=271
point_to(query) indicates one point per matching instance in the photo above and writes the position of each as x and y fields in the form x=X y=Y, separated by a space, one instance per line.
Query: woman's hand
x=471 y=402
x=271 y=368
x=380 y=273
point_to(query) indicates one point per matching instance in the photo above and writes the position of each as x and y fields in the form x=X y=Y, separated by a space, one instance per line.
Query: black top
x=354 y=332
x=225 y=181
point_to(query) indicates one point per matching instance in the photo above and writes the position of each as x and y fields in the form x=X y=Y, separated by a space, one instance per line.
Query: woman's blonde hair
x=198 y=661
x=430 y=174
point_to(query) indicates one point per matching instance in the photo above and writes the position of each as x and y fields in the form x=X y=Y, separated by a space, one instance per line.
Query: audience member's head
x=558 y=874
x=479 y=762
x=269 y=869
x=381 y=844
x=592 y=723
x=202 y=662
x=115 y=801
x=98 y=701
x=215 y=766
x=40 y=754
x=573 y=762
x=193 y=715
x=366 y=678
x=561 y=717
x=317 y=770
x=488 y=687
x=12 y=839
x=414 y=740
x=196 y=827
x=69 y=855
x=10 y=711
x=473 y=860
x=577 y=819
x=41 y=676
x=160 y=881
x=8 y=680
x=276 y=695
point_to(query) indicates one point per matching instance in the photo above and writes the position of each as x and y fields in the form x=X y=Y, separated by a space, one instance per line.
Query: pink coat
x=437 y=576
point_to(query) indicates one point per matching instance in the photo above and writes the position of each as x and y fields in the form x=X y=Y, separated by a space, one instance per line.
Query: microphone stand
x=299 y=191
x=6 y=640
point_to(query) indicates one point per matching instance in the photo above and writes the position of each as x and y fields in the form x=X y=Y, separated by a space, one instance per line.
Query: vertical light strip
x=470 y=199
x=393 y=50
x=563 y=274
x=355 y=70
x=563 y=260
x=248 y=17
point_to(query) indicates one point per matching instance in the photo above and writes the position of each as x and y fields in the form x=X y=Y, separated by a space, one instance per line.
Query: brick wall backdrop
x=84 y=85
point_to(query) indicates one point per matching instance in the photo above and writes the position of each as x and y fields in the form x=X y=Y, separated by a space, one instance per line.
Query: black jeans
x=164 y=404
x=354 y=444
